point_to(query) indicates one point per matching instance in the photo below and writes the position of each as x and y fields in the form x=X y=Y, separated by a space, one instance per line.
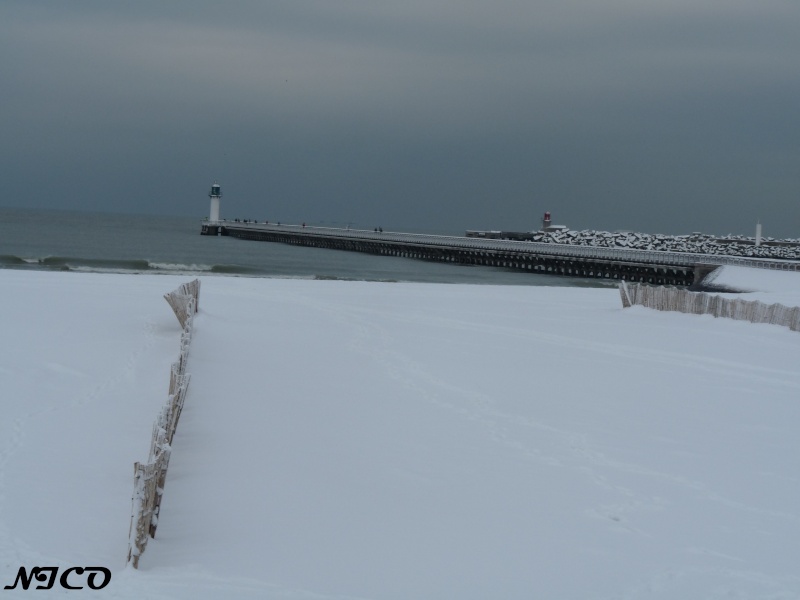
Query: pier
x=655 y=267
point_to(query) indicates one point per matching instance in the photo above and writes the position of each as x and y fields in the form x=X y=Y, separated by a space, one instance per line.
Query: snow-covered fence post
x=175 y=404
x=698 y=302
x=713 y=305
x=692 y=303
x=660 y=296
x=623 y=292
x=192 y=289
x=794 y=319
x=184 y=301
x=766 y=313
x=143 y=497
x=136 y=539
x=174 y=377
x=630 y=292
x=643 y=297
x=640 y=297
x=161 y=463
x=725 y=307
x=705 y=306
x=650 y=296
x=149 y=478
x=673 y=299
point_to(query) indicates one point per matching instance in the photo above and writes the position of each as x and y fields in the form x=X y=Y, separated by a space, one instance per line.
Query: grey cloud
x=665 y=117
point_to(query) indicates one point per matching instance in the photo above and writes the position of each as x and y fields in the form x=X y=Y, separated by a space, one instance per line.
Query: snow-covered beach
x=346 y=439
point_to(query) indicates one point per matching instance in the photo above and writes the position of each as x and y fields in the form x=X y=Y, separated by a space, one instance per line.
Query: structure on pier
x=212 y=225
x=656 y=267
x=215 y=195
x=547 y=224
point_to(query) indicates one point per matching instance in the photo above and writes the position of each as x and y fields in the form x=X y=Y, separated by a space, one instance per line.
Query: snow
x=729 y=245
x=768 y=286
x=347 y=439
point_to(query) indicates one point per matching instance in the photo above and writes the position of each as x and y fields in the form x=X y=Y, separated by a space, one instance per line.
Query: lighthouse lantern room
x=215 y=195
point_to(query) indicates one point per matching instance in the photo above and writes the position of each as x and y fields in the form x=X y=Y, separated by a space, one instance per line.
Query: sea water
x=97 y=242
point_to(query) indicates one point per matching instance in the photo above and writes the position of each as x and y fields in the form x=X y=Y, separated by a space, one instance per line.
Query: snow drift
x=370 y=440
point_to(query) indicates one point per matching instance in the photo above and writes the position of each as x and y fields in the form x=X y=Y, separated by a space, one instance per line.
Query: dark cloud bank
x=428 y=116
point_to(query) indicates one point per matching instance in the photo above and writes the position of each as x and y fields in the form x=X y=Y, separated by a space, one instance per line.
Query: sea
x=54 y=240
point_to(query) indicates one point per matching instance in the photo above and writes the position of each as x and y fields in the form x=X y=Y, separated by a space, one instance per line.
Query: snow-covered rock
x=728 y=245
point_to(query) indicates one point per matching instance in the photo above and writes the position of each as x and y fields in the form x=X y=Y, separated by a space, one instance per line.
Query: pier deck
x=656 y=267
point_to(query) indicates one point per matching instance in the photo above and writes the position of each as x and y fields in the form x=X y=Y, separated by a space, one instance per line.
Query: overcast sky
x=665 y=116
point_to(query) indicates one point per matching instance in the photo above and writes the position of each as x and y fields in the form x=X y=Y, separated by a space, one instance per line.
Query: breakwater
x=697 y=243
x=628 y=264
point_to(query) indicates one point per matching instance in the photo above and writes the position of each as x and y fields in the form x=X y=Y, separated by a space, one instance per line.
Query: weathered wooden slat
x=149 y=478
x=682 y=300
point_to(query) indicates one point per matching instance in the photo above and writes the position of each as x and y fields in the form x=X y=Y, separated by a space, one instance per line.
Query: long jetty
x=647 y=266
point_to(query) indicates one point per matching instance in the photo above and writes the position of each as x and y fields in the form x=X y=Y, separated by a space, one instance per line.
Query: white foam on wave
x=179 y=267
x=93 y=269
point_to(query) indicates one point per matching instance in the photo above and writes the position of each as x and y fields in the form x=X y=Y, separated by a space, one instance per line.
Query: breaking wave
x=172 y=267
x=236 y=270
x=101 y=265
x=10 y=260
x=66 y=263
x=337 y=278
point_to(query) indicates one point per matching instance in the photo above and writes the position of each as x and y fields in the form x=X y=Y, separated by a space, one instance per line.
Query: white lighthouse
x=215 y=195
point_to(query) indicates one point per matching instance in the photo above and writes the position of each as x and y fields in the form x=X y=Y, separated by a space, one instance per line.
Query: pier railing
x=625 y=255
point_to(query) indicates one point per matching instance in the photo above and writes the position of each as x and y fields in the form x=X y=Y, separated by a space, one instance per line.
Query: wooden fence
x=179 y=300
x=149 y=477
x=700 y=303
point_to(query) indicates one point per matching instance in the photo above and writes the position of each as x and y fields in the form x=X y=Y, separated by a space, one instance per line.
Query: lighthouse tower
x=215 y=195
